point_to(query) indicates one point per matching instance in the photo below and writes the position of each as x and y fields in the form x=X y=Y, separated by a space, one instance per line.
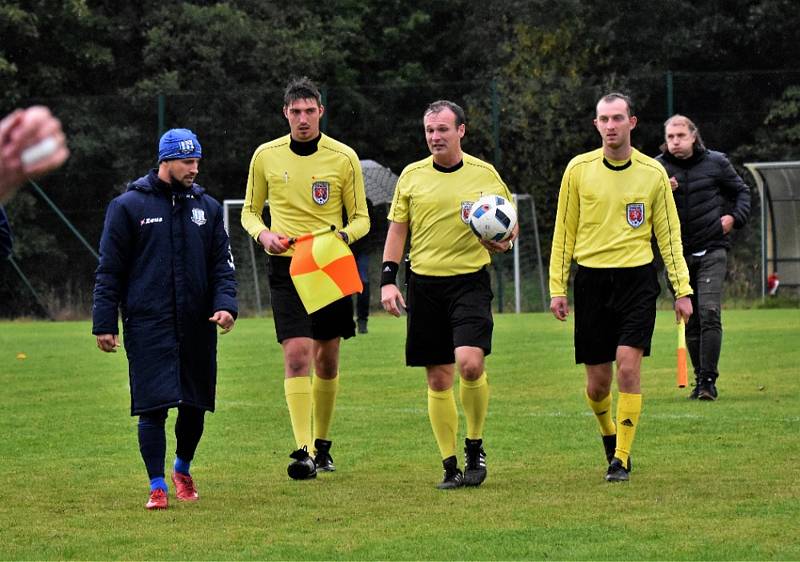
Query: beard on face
x=185 y=180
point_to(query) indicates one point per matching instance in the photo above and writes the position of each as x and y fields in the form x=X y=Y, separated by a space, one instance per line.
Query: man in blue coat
x=712 y=200
x=166 y=264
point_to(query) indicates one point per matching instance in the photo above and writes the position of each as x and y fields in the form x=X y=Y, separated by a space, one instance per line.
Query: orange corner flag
x=323 y=269
x=682 y=375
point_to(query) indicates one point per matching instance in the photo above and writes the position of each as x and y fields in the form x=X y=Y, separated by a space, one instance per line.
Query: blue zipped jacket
x=166 y=265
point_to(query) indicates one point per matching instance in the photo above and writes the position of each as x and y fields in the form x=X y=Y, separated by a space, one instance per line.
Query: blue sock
x=158 y=482
x=182 y=466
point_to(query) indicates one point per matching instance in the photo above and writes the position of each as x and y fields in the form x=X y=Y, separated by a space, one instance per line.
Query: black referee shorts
x=291 y=318
x=445 y=313
x=613 y=307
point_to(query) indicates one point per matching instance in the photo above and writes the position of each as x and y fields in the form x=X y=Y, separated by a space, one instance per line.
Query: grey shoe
x=362 y=326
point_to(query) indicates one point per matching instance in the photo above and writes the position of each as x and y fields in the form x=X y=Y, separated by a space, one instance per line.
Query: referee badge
x=635 y=214
x=320 y=191
x=466 y=206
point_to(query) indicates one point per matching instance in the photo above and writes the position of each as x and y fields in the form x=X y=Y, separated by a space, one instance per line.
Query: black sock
x=188 y=431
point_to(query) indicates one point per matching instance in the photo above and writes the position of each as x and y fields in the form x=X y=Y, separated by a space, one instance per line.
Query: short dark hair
x=608 y=98
x=676 y=119
x=440 y=105
x=301 y=89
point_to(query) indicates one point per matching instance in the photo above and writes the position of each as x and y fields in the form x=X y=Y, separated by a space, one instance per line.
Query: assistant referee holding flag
x=611 y=202
x=449 y=296
x=309 y=179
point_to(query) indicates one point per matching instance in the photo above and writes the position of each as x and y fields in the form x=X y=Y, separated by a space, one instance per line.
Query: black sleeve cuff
x=389 y=271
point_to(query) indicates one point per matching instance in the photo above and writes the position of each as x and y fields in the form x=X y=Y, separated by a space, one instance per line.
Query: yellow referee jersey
x=436 y=205
x=607 y=213
x=305 y=193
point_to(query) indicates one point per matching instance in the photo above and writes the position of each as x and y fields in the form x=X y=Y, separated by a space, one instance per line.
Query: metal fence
x=114 y=139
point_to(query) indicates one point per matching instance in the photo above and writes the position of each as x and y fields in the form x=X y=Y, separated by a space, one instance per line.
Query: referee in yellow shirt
x=449 y=295
x=611 y=202
x=308 y=179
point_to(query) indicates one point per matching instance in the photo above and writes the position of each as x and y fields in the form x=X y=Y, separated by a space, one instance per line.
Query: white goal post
x=227 y=204
x=518 y=199
x=226 y=211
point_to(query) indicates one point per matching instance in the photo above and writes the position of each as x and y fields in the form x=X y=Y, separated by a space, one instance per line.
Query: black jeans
x=704 y=329
x=362 y=299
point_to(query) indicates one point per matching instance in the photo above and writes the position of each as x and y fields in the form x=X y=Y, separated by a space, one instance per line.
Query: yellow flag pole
x=325 y=230
x=682 y=375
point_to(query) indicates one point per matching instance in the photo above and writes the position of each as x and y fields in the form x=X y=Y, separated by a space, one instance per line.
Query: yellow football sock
x=602 y=411
x=629 y=409
x=324 y=392
x=444 y=420
x=475 y=400
x=298 y=398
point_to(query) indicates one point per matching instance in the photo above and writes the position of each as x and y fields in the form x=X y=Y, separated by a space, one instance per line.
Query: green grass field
x=711 y=480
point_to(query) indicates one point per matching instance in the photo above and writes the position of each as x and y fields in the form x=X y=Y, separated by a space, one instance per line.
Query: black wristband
x=389 y=273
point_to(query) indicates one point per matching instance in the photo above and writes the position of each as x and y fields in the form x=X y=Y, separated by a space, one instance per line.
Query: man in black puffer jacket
x=712 y=200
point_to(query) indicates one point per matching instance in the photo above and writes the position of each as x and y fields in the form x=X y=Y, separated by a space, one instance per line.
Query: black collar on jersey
x=304 y=148
x=611 y=166
x=455 y=168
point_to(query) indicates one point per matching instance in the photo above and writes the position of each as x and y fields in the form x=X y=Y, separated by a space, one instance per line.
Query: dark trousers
x=704 y=329
x=362 y=299
x=153 y=439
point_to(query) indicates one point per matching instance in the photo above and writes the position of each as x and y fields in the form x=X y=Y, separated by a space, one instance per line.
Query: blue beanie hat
x=178 y=144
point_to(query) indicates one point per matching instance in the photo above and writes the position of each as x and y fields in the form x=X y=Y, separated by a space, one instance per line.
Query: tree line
x=527 y=72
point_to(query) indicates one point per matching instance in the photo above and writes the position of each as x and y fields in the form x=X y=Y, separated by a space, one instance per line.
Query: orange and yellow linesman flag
x=682 y=375
x=323 y=269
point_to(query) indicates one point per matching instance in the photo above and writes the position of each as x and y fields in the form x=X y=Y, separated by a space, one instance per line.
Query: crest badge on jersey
x=198 y=217
x=320 y=191
x=635 y=214
x=466 y=206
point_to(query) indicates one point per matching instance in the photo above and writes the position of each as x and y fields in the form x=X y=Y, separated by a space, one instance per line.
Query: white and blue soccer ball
x=492 y=218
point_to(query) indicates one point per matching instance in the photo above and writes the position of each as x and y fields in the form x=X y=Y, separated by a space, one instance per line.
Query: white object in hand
x=39 y=151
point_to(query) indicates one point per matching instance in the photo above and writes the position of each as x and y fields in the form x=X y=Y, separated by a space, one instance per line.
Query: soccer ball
x=492 y=218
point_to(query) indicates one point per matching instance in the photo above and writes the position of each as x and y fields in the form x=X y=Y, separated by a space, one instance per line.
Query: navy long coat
x=166 y=265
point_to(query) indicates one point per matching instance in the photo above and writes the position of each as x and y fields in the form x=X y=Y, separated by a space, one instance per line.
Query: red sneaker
x=184 y=487
x=158 y=499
